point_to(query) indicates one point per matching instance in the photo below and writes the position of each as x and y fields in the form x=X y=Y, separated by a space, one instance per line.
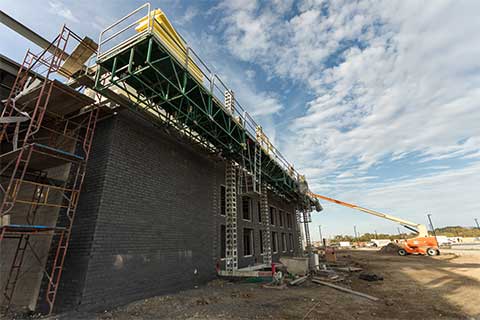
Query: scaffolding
x=266 y=238
x=46 y=137
x=231 y=263
x=137 y=61
x=142 y=58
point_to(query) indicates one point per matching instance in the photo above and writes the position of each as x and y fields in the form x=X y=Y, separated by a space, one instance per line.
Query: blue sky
x=377 y=102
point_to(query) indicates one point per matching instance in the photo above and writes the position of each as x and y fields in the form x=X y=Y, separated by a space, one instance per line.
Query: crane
x=421 y=244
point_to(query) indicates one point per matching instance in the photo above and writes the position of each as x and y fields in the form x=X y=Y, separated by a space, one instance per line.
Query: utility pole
x=355 y=231
x=476 y=221
x=376 y=235
x=433 y=228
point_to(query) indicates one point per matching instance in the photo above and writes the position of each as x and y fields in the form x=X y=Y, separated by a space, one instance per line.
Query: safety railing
x=126 y=30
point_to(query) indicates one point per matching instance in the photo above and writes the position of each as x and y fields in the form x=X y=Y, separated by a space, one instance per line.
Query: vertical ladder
x=231 y=217
x=57 y=267
x=257 y=169
x=267 y=244
x=299 y=233
x=15 y=268
x=242 y=182
x=216 y=213
x=307 y=218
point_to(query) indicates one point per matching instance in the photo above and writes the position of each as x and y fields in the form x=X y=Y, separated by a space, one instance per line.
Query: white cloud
x=451 y=196
x=391 y=80
x=260 y=104
x=346 y=174
x=409 y=89
x=57 y=7
x=187 y=16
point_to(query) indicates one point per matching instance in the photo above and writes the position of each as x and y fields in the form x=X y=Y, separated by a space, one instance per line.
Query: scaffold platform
x=144 y=68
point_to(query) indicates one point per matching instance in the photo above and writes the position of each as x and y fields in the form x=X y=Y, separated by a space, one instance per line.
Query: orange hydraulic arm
x=420 y=228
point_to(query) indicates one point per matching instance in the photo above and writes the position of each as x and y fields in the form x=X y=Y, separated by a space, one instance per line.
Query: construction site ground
x=414 y=287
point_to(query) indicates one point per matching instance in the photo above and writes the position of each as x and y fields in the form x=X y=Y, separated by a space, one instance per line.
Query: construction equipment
x=421 y=244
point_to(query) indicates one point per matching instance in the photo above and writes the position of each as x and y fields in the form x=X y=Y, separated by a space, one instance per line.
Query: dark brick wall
x=79 y=252
x=154 y=231
x=148 y=221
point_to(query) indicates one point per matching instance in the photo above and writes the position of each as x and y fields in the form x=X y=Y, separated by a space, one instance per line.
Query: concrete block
x=295 y=265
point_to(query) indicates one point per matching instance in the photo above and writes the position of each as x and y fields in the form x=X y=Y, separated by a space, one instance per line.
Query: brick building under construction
x=133 y=175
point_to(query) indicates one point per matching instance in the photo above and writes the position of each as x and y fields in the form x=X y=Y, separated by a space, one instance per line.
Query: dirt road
x=447 y=286
x=414 y=287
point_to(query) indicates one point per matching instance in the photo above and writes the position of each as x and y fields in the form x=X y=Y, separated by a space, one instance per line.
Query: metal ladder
x=307 y=218
x=23 y=242
x=299 y=233
x=15 y=267
x=231 y=217
x=257 y=169
x=266 y=241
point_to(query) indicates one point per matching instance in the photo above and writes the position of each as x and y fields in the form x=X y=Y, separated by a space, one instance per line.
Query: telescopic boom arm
x=419 y=228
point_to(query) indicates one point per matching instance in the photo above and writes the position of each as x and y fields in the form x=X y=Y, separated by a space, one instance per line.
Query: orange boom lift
x=421 y=244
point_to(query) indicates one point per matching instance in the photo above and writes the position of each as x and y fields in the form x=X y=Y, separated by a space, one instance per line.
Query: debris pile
x=390 y=248
x=368 y=276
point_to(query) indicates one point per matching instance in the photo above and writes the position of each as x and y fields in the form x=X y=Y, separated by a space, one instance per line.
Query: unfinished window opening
x=247 y=242
x=274 y=242
x=246 y=208
x=223 y=241
x=223 y=202
x=260 y=232
x=259 y=211
x=284 y=242
x=289 y=220
x=272 y=216
x=290 y=238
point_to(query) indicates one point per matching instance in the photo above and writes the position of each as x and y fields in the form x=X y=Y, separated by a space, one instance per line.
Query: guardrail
x=123 y=32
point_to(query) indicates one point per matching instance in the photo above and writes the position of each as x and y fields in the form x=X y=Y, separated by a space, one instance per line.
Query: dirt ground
x=414 y=287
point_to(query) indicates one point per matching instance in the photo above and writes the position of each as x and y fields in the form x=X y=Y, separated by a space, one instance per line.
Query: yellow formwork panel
x=163 y=29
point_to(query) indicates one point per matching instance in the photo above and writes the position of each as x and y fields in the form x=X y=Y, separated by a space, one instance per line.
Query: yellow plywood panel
x=75 y=62
x=163 y=29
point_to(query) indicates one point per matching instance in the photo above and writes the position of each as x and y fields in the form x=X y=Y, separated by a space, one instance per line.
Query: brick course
x=148 y=220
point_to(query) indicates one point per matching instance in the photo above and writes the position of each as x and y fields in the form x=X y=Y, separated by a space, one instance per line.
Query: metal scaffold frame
x=231 y=259
x=266 y=238
x=298 y=230
x=143 y=59
x=44 y=125
x=185 y=93
x=307 y=218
